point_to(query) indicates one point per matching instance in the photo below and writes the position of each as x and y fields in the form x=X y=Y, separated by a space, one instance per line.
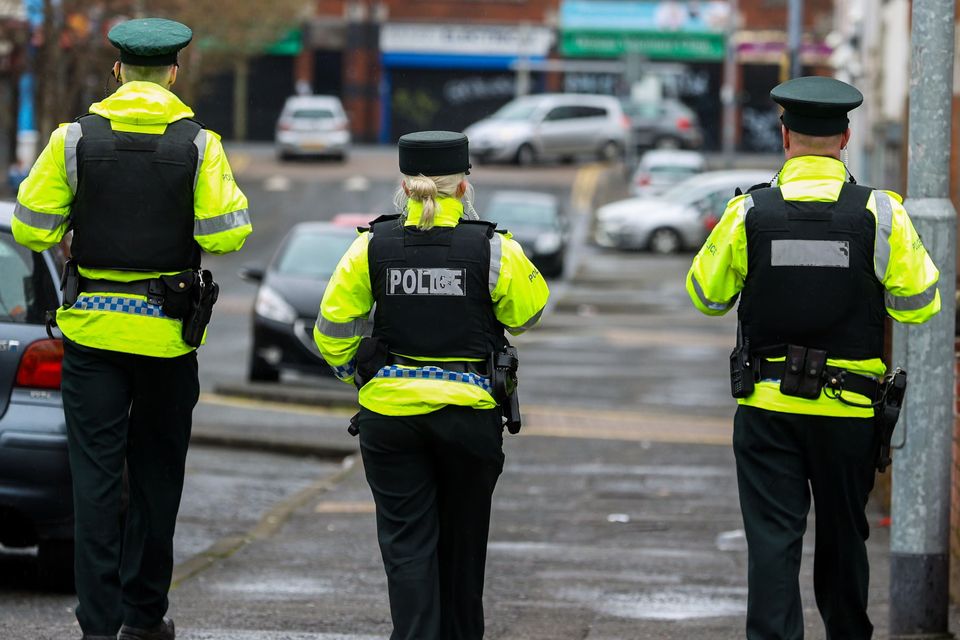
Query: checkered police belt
x=435 y=373
x=118 y=304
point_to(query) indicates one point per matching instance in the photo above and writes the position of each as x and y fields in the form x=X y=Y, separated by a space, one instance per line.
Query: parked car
x=665 y=124
x=313 y=126
x=678 y=219
x=36 y=500
x=551 y=126
x=536 y=222
x=658 y=170
x=288 y=299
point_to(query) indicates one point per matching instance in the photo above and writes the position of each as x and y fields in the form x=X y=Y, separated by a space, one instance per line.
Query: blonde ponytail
x=424 y=189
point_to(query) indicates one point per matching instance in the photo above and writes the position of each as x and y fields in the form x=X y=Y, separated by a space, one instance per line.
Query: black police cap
x=434 y=153
x=150 y=42
x=816 y=105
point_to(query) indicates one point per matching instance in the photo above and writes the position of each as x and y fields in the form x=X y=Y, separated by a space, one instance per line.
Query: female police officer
x=445 y=288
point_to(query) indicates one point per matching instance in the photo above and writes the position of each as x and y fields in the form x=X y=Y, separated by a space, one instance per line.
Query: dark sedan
x=535 y=221
x=288 y=300
x=36 y=503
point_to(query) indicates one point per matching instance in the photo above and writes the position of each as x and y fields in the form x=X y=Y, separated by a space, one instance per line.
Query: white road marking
x=231 y=634
x=276 y=183
x=356 y=183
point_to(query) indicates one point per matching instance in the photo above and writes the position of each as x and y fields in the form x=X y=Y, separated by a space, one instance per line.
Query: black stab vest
x=134 y=203
x=810 y=275
x=432 y=289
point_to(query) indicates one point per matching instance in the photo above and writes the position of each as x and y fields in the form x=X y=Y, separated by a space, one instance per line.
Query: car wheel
x=665 y=240
x=668 y=142
x=55 y=565
x=526 y=155
x=610 y=151
x=261 y=371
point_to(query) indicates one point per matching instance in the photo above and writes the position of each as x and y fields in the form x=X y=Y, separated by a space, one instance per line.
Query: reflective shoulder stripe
x=201 y=143
x=529 y=323
x=707 y=302
x=747 y=204
x=911 y=303
x=496 y=253
x=881 y=246
x=352 y=329
x=37 y=220
x=217 y=224
x=70 y=141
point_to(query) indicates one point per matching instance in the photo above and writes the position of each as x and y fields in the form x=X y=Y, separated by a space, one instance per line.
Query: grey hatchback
x=36 y=503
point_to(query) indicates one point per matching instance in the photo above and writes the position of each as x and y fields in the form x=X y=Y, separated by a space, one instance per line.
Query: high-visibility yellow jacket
x=518 y=295
x=910 y=278
x=42 y=217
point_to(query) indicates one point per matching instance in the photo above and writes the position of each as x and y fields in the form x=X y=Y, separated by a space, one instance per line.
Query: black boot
x=163 y=631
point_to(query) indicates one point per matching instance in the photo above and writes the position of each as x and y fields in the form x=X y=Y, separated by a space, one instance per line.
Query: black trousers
x=432 y=478
x=136 y=409
x=781 y=459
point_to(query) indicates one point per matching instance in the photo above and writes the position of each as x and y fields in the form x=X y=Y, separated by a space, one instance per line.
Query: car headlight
x=547 y=243
x=272 y=306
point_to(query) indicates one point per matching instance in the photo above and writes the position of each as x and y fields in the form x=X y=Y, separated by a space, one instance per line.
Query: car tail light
x=41 y=365
x=643 y=179
x=283 y=126
x=625 y=122
x=683 y=123
x=710 y=221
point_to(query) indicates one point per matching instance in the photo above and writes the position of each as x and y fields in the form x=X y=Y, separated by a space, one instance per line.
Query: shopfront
x=448 y=76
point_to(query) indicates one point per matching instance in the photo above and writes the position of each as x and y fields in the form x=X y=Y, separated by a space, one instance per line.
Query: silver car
x=313 y=126
x=680 y=218
x=551 y=126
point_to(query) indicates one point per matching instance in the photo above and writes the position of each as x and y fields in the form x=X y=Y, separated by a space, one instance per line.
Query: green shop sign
x=650 y=44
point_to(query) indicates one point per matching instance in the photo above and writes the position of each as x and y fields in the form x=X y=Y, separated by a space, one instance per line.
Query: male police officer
x=820 y=262
x=143 y=188
x=430 y=431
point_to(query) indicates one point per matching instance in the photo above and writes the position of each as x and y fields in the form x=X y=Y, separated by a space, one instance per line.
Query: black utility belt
x=155 y=290
x=460 y=366
x=806 y=377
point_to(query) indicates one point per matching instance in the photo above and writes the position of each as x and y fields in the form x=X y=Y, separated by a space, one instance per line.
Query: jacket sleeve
x=902 y=263
x=42 y=213
x=719 y=269
x=518 y=291
x=221 y=218
x=344 y=309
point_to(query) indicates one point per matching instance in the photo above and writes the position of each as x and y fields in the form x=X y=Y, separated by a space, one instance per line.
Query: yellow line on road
x=585 y=185
x=239 y=162
x=556 y=422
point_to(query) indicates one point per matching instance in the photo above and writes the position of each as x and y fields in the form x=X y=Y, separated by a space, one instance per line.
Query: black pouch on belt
x=178 y=294
x=372 y=354
x=803 y=372
x=204 y=296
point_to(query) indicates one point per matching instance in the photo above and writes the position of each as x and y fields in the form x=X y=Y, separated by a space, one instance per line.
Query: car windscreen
x=26 y=288
x=519 y=214
x=312 y=114
x=313 y=255
x=522 y=110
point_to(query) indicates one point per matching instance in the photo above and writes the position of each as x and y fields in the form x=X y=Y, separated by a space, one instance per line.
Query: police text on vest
x=426 y=282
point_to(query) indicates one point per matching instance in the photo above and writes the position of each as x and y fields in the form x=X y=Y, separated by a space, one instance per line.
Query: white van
x=313 y=126
x=551 y=126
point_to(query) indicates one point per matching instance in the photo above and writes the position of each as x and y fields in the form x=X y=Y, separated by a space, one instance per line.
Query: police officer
x=818 y=262
x=431 y=439
x=144 y=188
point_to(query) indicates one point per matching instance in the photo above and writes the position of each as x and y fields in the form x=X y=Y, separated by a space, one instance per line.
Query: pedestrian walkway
x=591 y=539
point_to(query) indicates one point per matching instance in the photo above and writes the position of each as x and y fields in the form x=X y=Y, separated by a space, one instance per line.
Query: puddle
x=279 y=588
x=671 y=604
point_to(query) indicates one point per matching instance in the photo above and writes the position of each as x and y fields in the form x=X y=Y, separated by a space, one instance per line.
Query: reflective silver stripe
x=496 y=252
x=225 y=222
x=201 y=143
x=747 y=203
x=881 y=246
x=37 y=220
x=911 y=303
x=529 y=323
x=707 y=302
x=352 y=329
x=70 y=141
x=810 y=253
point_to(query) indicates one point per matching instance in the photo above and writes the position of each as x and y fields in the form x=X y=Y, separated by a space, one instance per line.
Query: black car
x=36 y=501
x=288 y=299
x=535 y=220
